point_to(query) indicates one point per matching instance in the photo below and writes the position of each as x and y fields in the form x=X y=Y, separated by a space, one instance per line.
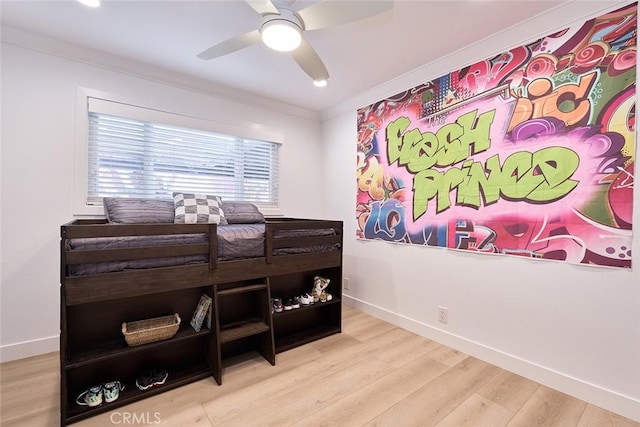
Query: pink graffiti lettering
x=488 y=74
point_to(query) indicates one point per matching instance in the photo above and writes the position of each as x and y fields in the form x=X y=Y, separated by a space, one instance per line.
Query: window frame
x=119 y=106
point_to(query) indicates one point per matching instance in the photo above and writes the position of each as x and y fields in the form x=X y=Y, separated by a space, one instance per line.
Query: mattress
x=235 y=241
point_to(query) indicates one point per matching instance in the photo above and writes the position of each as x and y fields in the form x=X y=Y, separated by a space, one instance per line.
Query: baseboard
x=607 y=399
x=25 y=349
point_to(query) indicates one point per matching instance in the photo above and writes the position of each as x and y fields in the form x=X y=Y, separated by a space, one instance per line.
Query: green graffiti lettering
x=539 y=177
x=425 y=149
x=429 y=184
x=453 y=177
x=394 y=132
x=451 y=144
x=426 y=185
x=556 y=165
x=517 y=179
x=477 y=133
x=450 y=149
x=478 y=184
x=410 y=148
x=466 y=136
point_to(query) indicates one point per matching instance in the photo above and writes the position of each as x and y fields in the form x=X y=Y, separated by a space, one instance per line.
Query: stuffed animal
x=319 y=289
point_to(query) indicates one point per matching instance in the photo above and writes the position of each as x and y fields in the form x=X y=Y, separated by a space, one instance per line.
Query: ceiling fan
x=282 y=29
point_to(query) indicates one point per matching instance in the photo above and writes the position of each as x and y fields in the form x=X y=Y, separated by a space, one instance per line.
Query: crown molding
x=29 y=40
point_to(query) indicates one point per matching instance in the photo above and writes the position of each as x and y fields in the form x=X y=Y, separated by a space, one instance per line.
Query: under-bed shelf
x=118 y=348
x=177 y=377
x=303 y=308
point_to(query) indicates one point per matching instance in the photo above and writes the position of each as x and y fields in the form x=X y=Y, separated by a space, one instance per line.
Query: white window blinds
x=129 y=157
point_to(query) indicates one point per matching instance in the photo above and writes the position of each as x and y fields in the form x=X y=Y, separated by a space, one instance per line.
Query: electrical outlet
x=345 y=283
x=443 y=314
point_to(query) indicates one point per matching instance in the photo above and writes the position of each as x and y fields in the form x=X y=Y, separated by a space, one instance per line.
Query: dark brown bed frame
x=92 y=307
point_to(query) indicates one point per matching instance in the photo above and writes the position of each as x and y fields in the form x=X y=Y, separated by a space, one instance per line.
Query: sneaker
x=309 y=298
x=112 y=391
x=276 y=303
x=91 y=397
x=159 y=376
x=145 y=381
x=303 y=299
x=295 y=303
x=288 y=304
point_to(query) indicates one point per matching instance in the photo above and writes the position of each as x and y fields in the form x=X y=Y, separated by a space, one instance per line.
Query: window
x=130 y=157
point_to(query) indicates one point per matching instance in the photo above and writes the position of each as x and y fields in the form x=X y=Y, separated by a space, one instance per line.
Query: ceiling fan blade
x=333 y=13
x=310 y=62
x=231 y=45
x=263 y=7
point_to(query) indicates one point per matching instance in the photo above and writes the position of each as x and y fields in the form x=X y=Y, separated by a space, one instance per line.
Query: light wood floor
x=372 y=374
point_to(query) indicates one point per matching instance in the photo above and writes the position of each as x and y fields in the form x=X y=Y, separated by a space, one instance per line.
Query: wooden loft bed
x=93 y=306
x=82 y=289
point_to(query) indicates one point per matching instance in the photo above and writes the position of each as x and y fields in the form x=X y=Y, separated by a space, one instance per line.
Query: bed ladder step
x=242 y=322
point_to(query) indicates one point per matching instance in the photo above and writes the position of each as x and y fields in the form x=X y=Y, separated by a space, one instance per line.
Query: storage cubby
x=300 y=326
x=96 y=351
x=184 y=360
x=95 y=330
x=307 y=323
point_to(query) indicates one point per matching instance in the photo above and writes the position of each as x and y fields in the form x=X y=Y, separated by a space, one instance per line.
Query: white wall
x=574 y=328
x=38 y=137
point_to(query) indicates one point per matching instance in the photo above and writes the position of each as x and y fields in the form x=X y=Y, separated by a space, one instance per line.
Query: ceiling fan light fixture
x=281 y=35
x=90 y=3
x=320 y=83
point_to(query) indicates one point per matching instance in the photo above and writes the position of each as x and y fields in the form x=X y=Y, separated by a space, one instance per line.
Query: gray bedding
x=235 y=241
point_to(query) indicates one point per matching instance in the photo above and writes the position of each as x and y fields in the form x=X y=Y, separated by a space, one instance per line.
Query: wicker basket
x=150 y=330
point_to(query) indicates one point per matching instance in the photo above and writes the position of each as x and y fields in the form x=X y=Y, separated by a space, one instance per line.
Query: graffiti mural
x=530 y=153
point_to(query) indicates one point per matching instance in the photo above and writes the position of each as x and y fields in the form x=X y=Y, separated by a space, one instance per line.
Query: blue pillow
x=242 y=213
x=138 y=211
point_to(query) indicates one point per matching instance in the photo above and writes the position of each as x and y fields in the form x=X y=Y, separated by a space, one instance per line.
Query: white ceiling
x=359 y=56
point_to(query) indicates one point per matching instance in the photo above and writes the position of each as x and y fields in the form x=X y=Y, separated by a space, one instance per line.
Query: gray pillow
x=242 y=213
x=138 y=211
x=196 y=208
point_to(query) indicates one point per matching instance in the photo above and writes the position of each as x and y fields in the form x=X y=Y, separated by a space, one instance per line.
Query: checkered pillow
x=198 y=209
